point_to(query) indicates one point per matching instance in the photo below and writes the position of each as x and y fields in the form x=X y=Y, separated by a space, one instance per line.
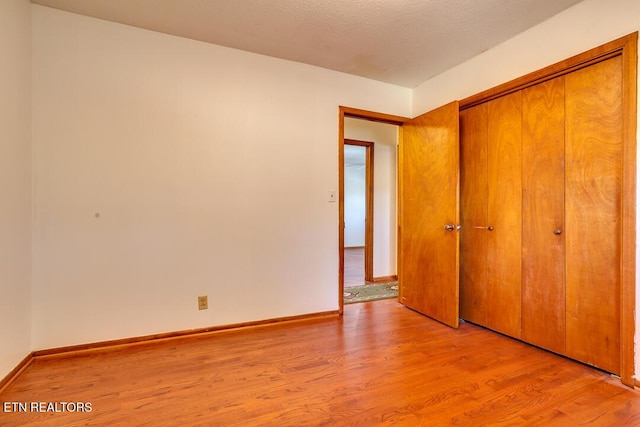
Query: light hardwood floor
x=353 y=267
x=379 y=364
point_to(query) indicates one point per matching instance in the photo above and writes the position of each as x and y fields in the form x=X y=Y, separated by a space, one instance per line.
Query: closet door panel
x=473 y=211
x=504 y=211
x=543 y=258
x=593 y=215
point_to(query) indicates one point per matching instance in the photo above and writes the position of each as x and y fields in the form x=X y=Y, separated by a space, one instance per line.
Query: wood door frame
x=627 y=48
x=368 y=196
x=358 y=114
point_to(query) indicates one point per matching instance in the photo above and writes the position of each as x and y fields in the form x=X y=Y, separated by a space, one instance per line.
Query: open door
x=429 y=214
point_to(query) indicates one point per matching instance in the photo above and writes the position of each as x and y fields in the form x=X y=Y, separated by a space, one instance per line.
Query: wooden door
x=504 y=213
x=428 y=199
x=543 y=257
x=473 y=214
x=594 y=143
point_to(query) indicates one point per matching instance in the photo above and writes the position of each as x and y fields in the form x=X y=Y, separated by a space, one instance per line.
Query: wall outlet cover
x=203 y=302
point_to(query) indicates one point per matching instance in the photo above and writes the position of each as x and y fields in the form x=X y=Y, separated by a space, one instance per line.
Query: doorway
x=382 y=131
x=358 y=212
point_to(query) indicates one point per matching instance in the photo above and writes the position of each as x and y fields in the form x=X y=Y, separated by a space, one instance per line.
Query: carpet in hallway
x=353 y=294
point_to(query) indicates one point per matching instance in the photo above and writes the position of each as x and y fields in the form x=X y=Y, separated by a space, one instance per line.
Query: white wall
x=355 y=200
x=385 y=138
x=578 y=29
x=15 y=183
x=166 y=168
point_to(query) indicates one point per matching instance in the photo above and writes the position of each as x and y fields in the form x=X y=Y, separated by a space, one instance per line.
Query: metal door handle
x=557 y=232
x=489 y=228
x=449 y=227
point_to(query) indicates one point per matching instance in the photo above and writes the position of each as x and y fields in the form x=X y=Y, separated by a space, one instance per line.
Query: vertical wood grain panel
x=369 y=220
x=473 y=214
x=430 y=158
x=543 y=257
x=628 y=225
x=593 y=213
x=505 y=213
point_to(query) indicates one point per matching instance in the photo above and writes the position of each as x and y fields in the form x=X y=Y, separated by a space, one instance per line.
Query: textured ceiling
x=403 y=42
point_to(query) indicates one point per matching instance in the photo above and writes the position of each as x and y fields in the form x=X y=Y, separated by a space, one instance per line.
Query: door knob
x=557 y=232
x=449 y=227
x=490 y=228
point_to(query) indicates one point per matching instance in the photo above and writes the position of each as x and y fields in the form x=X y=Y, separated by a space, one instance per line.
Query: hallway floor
x=354 y=267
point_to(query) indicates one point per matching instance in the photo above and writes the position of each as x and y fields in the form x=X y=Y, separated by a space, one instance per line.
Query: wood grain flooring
x=354 y=267
x=379 y=364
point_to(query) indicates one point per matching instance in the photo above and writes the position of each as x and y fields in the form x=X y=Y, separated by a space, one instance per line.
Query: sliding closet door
x=429 y=214
x=504 y=212
x=543 y=257
x=473 y=214
x=593 y=213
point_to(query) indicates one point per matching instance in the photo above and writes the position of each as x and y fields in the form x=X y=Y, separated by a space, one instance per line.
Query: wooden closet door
x=593 y=213
x=543 y=257
x=473 y=214
x=504 y=212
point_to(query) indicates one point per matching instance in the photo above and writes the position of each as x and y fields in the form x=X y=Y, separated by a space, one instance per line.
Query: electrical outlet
x=203 y=302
